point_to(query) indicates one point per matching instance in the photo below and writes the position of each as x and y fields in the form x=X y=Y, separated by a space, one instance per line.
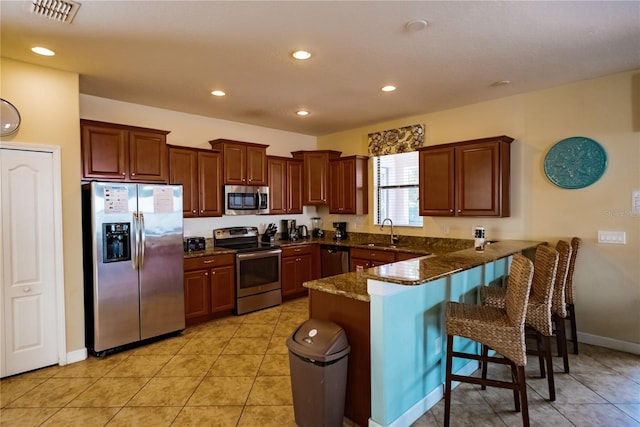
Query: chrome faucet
x=392 y=237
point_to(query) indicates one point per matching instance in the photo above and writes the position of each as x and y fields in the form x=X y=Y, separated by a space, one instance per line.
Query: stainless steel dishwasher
x=334 y=260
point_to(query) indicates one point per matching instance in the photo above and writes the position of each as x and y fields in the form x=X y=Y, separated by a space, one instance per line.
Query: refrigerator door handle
x=143 y=240
x=134 y=241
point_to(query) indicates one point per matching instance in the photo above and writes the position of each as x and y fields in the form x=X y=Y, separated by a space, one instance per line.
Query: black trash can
x=318 y=358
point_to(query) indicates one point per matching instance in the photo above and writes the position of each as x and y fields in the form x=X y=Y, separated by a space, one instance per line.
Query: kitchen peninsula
x=394 y=319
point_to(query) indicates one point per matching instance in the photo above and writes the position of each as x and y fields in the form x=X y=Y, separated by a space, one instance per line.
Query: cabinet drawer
x=208 y=262
x=296 y=250
x=371 y=254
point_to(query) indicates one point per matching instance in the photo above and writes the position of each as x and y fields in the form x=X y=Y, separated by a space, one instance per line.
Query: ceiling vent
x=58 y=10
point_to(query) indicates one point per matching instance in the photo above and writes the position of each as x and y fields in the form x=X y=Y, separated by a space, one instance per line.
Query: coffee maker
x=288 y=228
x=341 y=231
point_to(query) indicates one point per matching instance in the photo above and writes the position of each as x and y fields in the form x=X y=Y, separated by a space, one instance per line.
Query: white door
x=29 y=322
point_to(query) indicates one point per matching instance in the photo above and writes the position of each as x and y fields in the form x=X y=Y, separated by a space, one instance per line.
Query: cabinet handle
x=194 y=211
x=206 y=274
x=297 y=250
x=450 y=210
x=123 y=174
x=133 y=174
x=208 y=261
x=459 y=210
x=201 y=211
x=213 y=273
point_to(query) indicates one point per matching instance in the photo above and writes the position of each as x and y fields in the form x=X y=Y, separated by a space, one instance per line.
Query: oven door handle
x=258 y=254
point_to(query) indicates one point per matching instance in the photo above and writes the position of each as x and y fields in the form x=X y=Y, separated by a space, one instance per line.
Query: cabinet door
x=289 y=271
x=316 y=179
x=437 y=182
x=209 y=184
x=342 y=194
x=104 y=152
x=183 y=166
x=256 y=165
x=277 y=185
x=304 y=270
x=294 y=186
x=356 y=264
x=223 y=295
x=147 y=156
x=196 y=293
x=478 y=179
x=235 y=163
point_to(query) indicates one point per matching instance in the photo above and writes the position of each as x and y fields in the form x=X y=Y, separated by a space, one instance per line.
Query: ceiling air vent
x=58 y=10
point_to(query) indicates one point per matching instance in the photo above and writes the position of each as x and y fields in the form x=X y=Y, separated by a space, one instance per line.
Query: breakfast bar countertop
x=418 y=271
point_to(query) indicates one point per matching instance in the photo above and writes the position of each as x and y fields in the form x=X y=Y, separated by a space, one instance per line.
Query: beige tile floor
x=235 y=372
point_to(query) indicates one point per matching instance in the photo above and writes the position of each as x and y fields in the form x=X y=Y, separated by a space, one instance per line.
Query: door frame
x=54 y=150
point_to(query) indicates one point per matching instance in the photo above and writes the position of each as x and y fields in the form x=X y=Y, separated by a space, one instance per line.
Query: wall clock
x=10 y=118
x=575 y=162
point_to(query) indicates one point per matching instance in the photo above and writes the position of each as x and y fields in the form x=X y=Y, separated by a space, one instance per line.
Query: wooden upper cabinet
x=316 y=175
x=468 y=178
x=285 y=185
x=209 y=183
x=200 y=173
x=348 y=185
x=183 y=168
x=114 y=152
x=245 y=163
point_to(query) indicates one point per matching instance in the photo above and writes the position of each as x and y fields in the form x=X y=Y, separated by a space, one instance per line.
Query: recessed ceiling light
x=42 y=51
x=301 y=54
x=501 y=83
x=217 y=93
x=417 y=24
x=302 y=113
x=388 y=88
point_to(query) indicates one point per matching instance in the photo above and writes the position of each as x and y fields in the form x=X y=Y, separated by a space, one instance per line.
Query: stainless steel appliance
x=303 y=231
x=334 y=260
x=246 y=200
x=258 y=269
x=133 y=263
x=341 y=231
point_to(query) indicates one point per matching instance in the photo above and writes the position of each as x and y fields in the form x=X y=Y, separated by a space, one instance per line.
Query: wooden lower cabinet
x=300 y=263
x=209 y=287
x=360 y=259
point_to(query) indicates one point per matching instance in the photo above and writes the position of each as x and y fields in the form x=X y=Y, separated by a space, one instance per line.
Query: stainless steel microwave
x=246 y=200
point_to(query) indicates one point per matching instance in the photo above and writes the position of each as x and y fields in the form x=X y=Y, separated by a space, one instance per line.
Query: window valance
x=394 y=141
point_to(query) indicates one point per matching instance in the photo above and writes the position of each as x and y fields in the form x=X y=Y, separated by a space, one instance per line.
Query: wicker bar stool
x=538 y=315
x=558 y=302
x=502 y=329
x=576 y=243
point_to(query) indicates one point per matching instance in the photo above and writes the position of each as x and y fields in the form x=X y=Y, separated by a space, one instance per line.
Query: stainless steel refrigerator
x=133 y=263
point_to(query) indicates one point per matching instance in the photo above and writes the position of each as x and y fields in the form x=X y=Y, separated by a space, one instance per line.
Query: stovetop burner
x=241 y=239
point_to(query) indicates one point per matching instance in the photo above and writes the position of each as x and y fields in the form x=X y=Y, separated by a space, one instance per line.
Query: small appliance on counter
x=303 y=232
x=289 y=229
x=341 y=231
x=316 y=227
x=192 y=244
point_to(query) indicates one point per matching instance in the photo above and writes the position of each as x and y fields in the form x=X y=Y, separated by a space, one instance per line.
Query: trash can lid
x=319 y=340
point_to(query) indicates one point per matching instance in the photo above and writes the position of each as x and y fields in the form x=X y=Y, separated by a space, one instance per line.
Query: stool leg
x=485 y=353
x=540 y=353
x=522 y=382
x=574 y=328
x=561 y=339
x=515 y=378
x=547 y=352
x=447 y=383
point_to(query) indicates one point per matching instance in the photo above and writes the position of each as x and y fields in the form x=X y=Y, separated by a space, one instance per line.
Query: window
x=395 y=188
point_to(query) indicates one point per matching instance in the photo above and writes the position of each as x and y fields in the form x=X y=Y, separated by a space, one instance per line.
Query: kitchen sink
x=381 y=245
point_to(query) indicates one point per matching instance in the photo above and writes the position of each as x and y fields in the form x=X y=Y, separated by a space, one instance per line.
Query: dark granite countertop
x=419 y=270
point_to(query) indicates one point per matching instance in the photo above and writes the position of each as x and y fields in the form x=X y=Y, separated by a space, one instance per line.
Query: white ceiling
x=171 y=54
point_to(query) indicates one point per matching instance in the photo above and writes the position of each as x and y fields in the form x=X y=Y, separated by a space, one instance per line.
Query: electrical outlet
x=612 y=237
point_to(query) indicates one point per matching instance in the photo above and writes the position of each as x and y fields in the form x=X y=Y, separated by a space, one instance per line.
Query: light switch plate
x=612 y=237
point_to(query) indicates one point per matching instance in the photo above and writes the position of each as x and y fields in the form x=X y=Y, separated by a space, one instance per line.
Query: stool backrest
x=518 y=288
x=545 y=266
x=558 y=304
x=576 y=243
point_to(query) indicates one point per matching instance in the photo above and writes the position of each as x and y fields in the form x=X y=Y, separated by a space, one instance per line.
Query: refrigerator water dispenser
x=117 y=242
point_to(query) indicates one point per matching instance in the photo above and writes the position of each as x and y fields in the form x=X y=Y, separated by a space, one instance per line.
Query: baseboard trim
x=606 y=342
x=76 y=356
x=426 y=403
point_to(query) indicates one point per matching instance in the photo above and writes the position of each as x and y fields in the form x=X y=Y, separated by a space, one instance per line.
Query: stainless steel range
x=257 y=268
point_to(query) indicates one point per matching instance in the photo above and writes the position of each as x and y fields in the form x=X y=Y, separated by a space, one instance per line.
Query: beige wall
x=608 y=276
x=48 y=105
